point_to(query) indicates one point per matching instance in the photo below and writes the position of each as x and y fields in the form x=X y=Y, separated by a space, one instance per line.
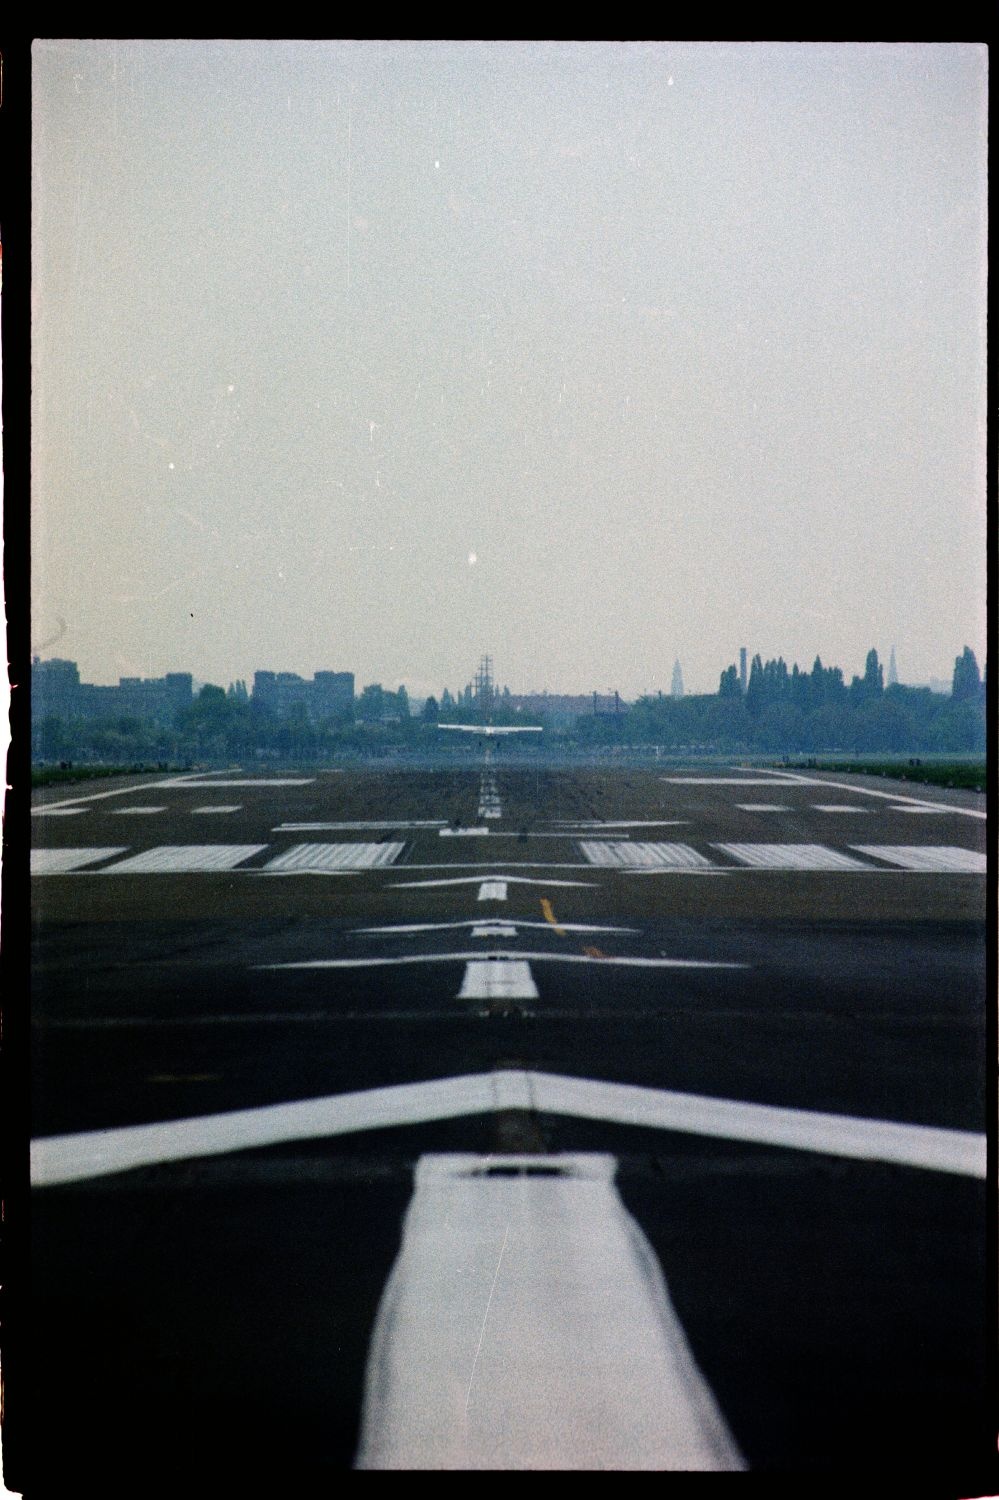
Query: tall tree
x=874 y=676
x=967 y=684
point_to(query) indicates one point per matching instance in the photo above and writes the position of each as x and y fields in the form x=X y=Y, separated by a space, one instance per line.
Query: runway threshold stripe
x=62 y=861
x=310 y=857
x=526 y=1325
x=641 y=855
x=99 y=1153
x=936 y=858
x=173 y=859
x=791 y=857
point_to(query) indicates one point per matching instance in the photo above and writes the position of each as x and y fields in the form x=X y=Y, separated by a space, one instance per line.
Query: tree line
x=782 y=711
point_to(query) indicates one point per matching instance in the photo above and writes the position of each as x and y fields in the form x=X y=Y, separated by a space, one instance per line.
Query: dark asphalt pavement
x=207 y=1321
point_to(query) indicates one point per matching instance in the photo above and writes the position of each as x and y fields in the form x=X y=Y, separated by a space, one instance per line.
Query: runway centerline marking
x=229 y=807
x=542 y=1251
x=491 y=890
x=99 y=1153
x=498 y=979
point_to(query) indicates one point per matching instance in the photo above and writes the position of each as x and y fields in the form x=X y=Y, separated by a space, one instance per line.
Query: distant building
x=743 y=678
x=562 y=707
x=56 y=690
x=332 y=694
x=676 y=691
x=329 y=695
x=892 y=669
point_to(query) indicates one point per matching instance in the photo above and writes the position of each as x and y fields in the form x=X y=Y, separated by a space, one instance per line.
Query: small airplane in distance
x=493 y=729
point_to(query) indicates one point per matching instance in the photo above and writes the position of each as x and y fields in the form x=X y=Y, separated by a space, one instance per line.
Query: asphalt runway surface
x=500 y=1117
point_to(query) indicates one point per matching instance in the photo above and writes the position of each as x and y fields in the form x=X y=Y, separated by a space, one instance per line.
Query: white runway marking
x=933 y=811
x=498 y=979
x=593 y=825
x=607 y=960
x=791 y=857
x=57 y=811
x=494 y=929
x=462 y=833
x=527 y=1325
x=717 y=781
x=500 y=864
x=310 y=857
x=98 y=1153
x=898 y=797
x=124 y=812
x=182 y=859
x=761 y=807
x=401 y=885
x=385 y=824
x=229 y=807
x=643 y=856
x=492 y=890
x=944 y=858
x=410 y=927
x=250 y=781
x=122 y=791
x=61 y=861
x=839 y=807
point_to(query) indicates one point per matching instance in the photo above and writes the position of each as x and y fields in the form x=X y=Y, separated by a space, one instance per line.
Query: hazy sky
x=379 y=356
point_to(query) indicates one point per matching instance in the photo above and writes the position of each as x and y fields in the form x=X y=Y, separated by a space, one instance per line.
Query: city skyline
x=417 y=693
x=603 y=354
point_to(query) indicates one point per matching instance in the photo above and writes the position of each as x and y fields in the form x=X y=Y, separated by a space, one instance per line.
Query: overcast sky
x=380 y=356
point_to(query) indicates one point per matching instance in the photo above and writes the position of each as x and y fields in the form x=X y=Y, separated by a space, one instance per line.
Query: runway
x=509 y=1117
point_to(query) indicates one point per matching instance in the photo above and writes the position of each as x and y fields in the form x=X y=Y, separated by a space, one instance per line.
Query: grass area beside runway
x=67 y=775
x=966 y=775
